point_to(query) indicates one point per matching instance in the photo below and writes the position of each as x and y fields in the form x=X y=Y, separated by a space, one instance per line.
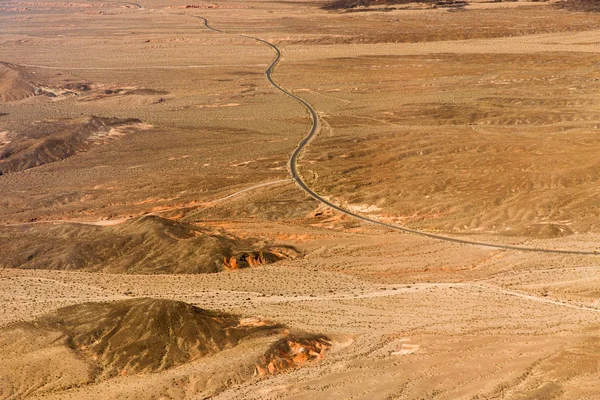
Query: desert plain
x=440 y=239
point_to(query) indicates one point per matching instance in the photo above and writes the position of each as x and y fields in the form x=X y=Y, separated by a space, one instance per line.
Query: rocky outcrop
x=292 y=352
x=252 y=259
x=579 y=5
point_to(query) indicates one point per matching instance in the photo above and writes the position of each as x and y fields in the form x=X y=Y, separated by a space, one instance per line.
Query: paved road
x=293 y=165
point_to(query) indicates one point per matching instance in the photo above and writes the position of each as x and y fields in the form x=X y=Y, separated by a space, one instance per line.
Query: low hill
x=579 y=5
x=51 y=141
x=15 y=84
x=146 y=335
x=148 y=244
x=346 y=4
x=291 y=352
x=94 y=342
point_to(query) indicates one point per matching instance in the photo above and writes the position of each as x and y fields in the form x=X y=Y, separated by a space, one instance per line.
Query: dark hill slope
x=147 y=335
x=51 y=141
x=93 y=342
x=148 y=244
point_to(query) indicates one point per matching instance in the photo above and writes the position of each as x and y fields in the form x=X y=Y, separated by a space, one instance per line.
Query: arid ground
x=154 y=245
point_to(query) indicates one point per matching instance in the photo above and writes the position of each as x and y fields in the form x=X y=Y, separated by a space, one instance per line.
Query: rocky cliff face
x=252 y=259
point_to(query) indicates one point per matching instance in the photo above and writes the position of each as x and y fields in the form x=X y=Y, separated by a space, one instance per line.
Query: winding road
x=293 y=166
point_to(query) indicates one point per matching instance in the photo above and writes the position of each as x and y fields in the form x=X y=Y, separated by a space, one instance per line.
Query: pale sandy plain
x=478 y=122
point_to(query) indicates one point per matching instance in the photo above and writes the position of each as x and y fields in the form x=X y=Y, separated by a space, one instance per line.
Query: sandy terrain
x=144 y=156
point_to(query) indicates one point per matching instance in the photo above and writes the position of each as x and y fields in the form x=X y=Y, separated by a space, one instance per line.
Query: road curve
x=293 y=166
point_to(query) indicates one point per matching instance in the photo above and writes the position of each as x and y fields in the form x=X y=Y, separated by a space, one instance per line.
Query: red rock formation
x=230 y=264
x=251 y=259
x=292 y=352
